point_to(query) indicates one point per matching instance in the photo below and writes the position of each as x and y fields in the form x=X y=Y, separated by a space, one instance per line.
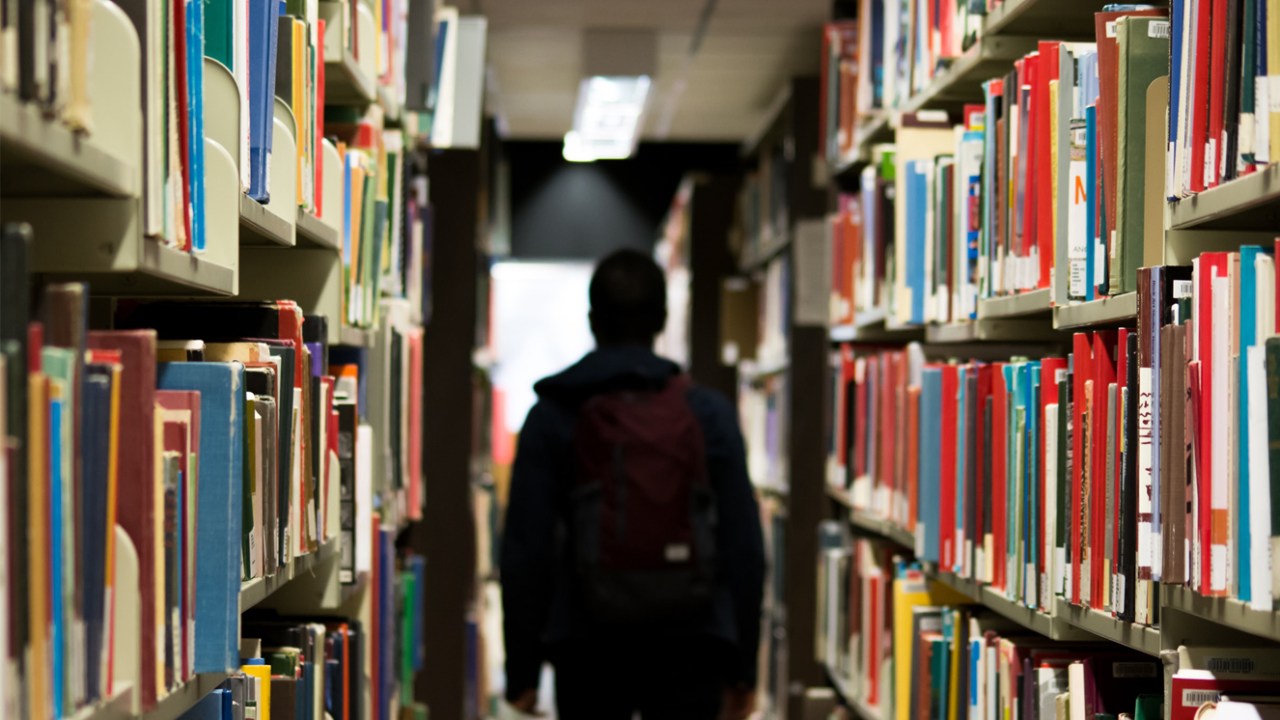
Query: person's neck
x=625 y=345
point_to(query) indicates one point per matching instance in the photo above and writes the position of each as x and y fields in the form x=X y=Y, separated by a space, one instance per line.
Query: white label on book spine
x=1158 y=29
x=1111 y=28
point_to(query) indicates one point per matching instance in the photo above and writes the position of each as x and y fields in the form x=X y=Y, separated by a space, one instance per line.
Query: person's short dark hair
x=628 y=299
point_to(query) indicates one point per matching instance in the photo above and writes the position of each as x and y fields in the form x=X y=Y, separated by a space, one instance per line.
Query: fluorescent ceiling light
x=606 y=122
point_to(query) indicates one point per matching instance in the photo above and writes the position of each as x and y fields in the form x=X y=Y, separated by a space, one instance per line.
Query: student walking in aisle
x=632 y=556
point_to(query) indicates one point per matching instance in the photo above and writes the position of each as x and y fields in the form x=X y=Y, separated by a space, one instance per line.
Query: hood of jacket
x=611 y=368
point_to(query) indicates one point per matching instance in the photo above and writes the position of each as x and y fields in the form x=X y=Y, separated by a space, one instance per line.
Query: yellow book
x=356 y=198
x=911 y=589
x=38 y=660
x=113 y=467
x=243 y=352
x=263 y=674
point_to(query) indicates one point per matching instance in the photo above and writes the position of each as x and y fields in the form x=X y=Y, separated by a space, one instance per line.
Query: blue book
x=1175 y=82
x=219 y=506
x=1091 y=177
x=1010 y=381
x=1034 y=419
x=962 y=414
x=1248 y=324
x=95 y=445
x=930 y=459
x=917 y=186
x=418 y=565
x=263 y=40
x=208 y=707
x=57 y=608
x=195 y=90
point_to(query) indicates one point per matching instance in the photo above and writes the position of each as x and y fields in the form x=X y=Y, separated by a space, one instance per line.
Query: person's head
x=628 y=299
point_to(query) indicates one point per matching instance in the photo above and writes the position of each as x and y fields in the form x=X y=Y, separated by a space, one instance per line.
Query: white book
x=364 y=498
x=1051 y=582
x=1259 y=511
x=1231 y=710
x=240 y=33
x=256 y=544
x=1076 y=685
x=1265 y=279
x=1220 y=413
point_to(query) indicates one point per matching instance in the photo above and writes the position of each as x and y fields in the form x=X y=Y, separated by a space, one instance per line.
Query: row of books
x=336 y=667
x=909 y=648
x=1140 y=457
x=763 y=219
x=225 y=449
x=892 y=51
x=1223 y=122
x=275 y=51
x=1046 y=176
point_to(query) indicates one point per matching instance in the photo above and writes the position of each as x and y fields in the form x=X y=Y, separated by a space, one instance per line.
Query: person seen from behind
x=632 y=555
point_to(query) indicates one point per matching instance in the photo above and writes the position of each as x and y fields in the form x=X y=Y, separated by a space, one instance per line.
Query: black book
x=1128 y=546
x=285 y=434
x=987 y=415
x=1231 y=103
x=347 y=423
x=95 y=449
x=15 y=317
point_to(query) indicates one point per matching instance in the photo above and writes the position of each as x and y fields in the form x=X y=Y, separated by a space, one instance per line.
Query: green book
x=219 y=32
x=1273 y=445
x=1147 y=707
x=1144 y=56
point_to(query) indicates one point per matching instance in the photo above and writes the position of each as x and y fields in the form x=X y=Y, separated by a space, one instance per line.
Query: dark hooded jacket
x=541 y=617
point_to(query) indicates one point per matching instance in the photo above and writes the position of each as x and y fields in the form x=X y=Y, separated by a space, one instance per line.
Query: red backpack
x=643 y=511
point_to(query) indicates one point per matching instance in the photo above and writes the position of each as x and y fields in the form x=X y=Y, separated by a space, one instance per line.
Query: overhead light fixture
x=606 y=122
x=617 y=69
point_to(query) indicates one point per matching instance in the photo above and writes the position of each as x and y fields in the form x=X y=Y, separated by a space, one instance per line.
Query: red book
x=912 y=478
x=136 y=479
x=1049 y=368
x=999 y=488
x=1216 y=140
x=1122 y=382
x=1030 y=79
x=1104 y=373
x=1199 y=86
x=846 y=361
x=947 y=471
x=1047 y=72
x=186 y=440
x=839 y=39
x=1209 y=265
x=860 y=418
x=981 y=442
x=1082 y=373
x=888 y=427
x=178 y=28
x=950 y=45
x=898 y=399
x=1191 y=688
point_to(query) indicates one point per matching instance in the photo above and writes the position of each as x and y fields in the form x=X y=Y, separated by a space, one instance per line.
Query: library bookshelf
x=227 y=254
x=930 y=305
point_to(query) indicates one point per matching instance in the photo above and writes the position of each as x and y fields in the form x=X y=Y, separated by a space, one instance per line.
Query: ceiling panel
x=751 y=48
